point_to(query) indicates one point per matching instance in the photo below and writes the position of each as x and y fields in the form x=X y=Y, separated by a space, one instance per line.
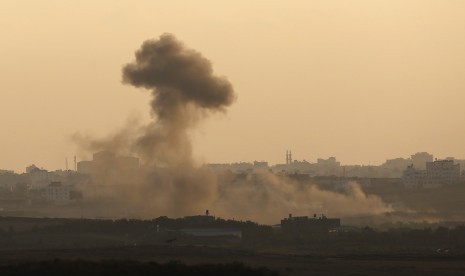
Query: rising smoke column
x=184 y=90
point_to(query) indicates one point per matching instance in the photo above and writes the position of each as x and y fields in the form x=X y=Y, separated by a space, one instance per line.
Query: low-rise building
x=304 y=224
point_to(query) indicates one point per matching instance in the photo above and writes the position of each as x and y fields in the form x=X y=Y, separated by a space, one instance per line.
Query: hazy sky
x=359 y=80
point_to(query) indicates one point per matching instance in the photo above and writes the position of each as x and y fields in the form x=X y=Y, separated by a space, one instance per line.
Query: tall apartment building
x=441 y=172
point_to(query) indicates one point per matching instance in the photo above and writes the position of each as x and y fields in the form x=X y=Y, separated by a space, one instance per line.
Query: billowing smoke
x=184 y=91
x=266 y=197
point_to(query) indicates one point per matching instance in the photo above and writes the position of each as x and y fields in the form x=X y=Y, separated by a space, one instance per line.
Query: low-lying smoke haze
x=266 y=197
x=290 y=137
x=184 y=91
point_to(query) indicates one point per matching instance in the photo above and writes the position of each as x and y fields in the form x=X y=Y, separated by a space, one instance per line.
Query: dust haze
x=169 y=181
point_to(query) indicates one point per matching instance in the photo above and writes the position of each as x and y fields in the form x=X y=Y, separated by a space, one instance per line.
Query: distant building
x=442 y=172
x=199 y=220
x=305 y=224
x=8 y=180
x=239 y=167
x=6 y=171
x=38 y=178
x=328 y=166
x=413 y=178
x=85 y=167
x=104 y=161
x=260 y=165
x=437 y=174
x=420 y=159
x=33 y=168
x=242 y=167
x=462 y=165
x=294 y=166
x=58 y=193
x=396 y=165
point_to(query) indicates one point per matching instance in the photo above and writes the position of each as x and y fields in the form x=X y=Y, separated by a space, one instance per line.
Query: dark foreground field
x=127 y=268
x=142 y=260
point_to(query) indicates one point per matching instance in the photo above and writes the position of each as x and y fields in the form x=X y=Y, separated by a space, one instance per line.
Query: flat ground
x=287 y=264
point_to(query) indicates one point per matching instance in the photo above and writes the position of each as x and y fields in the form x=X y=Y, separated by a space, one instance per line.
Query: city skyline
x=364 y=82
x=71 y=163
x=290 y=137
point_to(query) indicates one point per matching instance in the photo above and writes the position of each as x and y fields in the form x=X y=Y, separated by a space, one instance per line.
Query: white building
x=441 y=172
x=58 y=193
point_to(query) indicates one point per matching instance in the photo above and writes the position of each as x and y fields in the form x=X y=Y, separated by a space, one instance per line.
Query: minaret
x=287 y=157
x=290 y=157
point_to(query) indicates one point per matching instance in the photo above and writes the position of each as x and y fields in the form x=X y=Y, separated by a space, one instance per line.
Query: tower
x=288 y=157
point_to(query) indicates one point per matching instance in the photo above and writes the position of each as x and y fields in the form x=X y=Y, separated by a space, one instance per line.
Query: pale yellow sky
x=359 y=80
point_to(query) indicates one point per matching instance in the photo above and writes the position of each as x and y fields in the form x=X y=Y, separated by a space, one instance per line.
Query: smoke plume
x=185 y=90
x=267 y=197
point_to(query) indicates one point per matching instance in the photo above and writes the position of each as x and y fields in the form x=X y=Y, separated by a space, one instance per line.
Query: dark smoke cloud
x=180 y=75
x=184 y=90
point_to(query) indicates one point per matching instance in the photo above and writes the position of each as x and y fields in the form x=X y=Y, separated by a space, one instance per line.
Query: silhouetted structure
x=442 y=172
x=305 y=224
x=105 y=162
